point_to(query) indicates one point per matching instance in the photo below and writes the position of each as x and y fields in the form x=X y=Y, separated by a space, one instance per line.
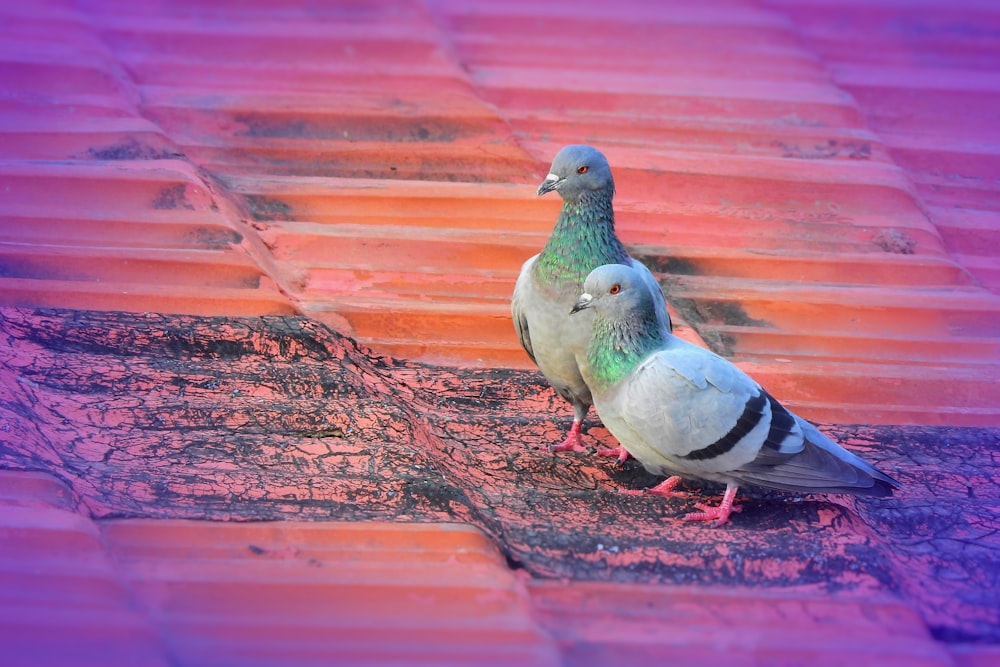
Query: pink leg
x=618 y=451
x=572 y=443
x=719 y=515
x=664 y=488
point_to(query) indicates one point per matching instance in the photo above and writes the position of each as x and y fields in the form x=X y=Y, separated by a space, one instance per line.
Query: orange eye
x=583 y=169
x=615 y=289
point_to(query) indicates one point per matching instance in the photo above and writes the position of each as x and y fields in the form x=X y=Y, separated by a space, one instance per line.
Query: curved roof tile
x=194 y=200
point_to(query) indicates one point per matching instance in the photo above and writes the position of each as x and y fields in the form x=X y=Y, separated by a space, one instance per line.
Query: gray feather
x=683 y=410
x=550 y=283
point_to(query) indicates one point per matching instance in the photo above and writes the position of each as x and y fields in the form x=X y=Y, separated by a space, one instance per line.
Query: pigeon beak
x=550 y=183
x=585 y=301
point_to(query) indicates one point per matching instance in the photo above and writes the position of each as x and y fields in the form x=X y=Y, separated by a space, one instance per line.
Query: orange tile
x=972 y=655
x=815 y=183
x=890 y=59
x=307 y=593
x=603 y=624
x=334 y=245
x=93 y=242
x=279 y=418
x=62 y=601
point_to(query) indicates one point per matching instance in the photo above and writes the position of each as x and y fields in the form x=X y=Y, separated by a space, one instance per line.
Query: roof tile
x=695 y=626
x=63 y=600
x=308 y=593
x=813 y=181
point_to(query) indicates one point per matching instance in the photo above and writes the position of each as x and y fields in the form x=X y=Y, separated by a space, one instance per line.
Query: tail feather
x=822 y=466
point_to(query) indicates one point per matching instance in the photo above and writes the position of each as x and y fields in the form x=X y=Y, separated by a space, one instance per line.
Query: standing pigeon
x=687 y=412
x=550 y=282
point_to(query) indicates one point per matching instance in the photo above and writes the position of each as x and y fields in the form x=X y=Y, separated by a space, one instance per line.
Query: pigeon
x=550 y=282
x=684 y=411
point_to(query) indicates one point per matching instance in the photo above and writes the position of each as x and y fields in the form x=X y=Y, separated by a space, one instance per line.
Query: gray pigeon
x=550 y=282
x=687 y=412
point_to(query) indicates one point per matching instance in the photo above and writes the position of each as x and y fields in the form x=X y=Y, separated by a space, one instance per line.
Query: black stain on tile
x=263 y=208
x=361 y=129
x=131 y=148
x=832 y=149
x=173 y=197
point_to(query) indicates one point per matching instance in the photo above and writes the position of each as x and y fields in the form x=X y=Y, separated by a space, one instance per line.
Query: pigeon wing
x=809 y=462
x=654 y=288
x=519 y=305
x=693 y=410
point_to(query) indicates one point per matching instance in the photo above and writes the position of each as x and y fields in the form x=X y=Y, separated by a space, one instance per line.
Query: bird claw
x=664 y=488
x=572 y=443
x=652 y=492
x=671 y=494
x=618 y=451
x=568 y=445
x=717 y=515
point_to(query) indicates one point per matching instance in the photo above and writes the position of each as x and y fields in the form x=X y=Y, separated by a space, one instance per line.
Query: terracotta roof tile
x=190 y=196
x=63 y=599
x=321 y=593
x=373 y=593
x=939 y=65
x=136 y=592
x=684 y=626
x=280 y=418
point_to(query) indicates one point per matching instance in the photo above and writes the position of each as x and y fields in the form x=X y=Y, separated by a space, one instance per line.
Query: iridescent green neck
x=618 y=346
x=582 y=240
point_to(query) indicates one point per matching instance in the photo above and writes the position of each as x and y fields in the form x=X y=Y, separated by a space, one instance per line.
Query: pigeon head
x=625 y=329
x=577 y=170
x=614 y=291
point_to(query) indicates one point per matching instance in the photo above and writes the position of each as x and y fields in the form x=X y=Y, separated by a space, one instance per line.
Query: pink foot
x=572 y=443
x=618 y=451
x=717 y=515
x=664 y=488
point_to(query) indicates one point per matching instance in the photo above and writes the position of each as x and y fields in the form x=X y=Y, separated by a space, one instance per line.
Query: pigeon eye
x=615 y=289
x=583 y=169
